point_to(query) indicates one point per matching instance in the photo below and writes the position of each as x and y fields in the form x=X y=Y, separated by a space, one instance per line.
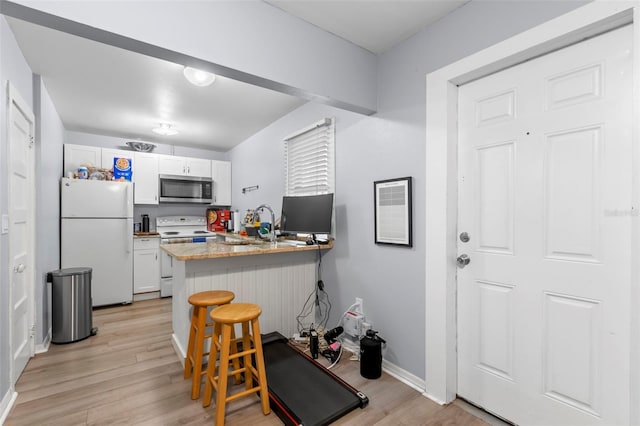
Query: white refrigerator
x=97 y=232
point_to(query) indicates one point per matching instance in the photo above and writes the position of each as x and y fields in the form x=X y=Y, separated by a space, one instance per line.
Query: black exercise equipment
x=301 y=391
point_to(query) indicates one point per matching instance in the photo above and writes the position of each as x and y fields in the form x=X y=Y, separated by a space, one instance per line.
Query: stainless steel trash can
x=72 y=316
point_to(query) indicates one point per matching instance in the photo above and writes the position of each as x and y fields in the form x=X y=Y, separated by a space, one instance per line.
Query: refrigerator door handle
x=129 y=198
x=129 y=239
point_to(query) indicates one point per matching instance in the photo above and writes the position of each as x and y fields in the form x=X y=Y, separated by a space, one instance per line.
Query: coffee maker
x=218 y=220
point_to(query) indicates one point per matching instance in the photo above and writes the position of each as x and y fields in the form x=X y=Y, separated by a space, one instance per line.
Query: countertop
x=214 y=250
x=146 y=234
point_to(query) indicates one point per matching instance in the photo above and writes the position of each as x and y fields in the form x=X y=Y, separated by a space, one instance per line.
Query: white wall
x=14 y=68
x=49 y=140
x=391 y=144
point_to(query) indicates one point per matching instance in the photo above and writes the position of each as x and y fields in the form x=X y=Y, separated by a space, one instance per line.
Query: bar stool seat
x=224 y=318
x=198 y=334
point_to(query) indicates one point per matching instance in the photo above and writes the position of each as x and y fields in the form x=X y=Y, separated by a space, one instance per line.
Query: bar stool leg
x=223 y=370
x=246 y=345
x=211 y=367
x=262 y=373
x=197 y=366
x=234 y=350
x=192 y=335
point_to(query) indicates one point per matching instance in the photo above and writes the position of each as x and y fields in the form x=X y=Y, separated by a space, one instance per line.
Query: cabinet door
x=108 y=154
x=145 y=275
x=145 y=167
x=76 y=155
x=198 y=167
x=221 y=173
x=171 y=165
x=146 y=270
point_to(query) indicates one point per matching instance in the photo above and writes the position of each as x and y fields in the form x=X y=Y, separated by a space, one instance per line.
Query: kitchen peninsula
x=279 y=277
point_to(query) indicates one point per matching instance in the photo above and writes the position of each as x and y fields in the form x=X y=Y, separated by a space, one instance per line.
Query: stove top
x=182 y=227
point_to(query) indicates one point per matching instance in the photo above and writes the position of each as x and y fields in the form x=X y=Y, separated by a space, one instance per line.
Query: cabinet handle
x=156 y=256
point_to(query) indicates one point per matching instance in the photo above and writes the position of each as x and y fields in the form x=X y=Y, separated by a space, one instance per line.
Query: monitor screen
x=307 y=214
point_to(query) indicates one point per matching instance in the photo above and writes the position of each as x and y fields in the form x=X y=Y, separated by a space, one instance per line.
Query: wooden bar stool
x=198 y=335
x=224 y=318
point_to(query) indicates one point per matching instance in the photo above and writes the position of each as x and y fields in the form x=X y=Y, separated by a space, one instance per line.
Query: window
x=310 y=160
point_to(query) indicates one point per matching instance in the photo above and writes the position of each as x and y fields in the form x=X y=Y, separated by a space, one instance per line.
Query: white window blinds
x=310 y=160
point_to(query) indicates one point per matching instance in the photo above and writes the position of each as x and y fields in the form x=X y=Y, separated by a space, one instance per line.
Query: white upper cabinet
x=145 y=166
x=170 y=165
x=199 y=167
x=221 y=174
x=184 y=166
x=77 y=155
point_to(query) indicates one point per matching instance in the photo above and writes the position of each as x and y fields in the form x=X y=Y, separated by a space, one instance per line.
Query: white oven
x=178 y=229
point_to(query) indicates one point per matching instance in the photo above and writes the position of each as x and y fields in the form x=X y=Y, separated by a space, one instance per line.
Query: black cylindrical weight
x=370 y=357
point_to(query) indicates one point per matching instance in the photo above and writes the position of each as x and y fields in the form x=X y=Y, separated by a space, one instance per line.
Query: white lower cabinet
x=146 y=265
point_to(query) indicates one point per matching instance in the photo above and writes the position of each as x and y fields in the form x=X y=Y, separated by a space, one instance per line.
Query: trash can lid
x=70 y=271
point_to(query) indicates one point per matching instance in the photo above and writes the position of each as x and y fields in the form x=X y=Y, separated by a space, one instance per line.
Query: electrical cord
x=323 y=303
x=337 y=359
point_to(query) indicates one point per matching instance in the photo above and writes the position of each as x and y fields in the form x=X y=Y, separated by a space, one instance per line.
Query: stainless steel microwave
x=185 y=189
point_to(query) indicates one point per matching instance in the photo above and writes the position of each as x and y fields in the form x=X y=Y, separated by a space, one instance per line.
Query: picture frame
x=393 y=208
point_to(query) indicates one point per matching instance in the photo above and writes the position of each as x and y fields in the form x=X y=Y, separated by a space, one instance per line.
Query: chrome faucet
x=273 y=222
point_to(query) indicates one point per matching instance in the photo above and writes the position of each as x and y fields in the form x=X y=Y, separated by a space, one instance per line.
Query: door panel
x=545 y=194
x=571 y=368
x=573 y=184
x=21 y=196
x=495 y=198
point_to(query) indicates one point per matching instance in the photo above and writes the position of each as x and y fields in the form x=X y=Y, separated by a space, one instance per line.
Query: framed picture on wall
x=392 y=211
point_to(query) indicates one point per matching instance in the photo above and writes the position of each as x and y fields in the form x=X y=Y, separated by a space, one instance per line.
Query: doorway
x=441 y=377
x=544 y=164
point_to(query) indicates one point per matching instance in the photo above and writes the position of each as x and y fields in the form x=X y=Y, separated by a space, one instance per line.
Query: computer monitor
x=307 y=214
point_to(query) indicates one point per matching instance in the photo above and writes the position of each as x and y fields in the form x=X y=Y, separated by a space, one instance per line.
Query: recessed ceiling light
x=198 y=77
x=165 y=129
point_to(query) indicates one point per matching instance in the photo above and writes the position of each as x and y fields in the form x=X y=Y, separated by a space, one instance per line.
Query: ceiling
x=107 y=90
x=376 y=25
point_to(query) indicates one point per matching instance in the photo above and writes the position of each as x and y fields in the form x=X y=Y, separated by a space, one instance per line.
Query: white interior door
x=545 y=197
x=21 y=231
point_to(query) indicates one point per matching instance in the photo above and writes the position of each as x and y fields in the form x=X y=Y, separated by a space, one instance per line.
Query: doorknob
x=20 y=268
x=463 y=260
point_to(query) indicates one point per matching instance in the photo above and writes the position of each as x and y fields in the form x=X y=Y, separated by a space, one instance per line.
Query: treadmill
x=302 y=391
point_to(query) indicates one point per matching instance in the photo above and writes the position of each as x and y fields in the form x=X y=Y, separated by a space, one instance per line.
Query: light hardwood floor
x=129 y=374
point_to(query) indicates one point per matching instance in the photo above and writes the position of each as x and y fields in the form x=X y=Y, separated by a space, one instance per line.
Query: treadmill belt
x=301 y=391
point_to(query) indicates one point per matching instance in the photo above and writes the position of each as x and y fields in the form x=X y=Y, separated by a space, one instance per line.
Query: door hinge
x=31 y=141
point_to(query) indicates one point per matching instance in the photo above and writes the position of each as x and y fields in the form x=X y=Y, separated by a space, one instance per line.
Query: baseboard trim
x=410 y=380
x=404 y=376
x=44 y=346
x=433 y=398
x=178 y=348
x=7 y=404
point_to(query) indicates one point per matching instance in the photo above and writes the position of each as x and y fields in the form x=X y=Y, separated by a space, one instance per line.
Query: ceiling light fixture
x=165 y=129
x=198 y=77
